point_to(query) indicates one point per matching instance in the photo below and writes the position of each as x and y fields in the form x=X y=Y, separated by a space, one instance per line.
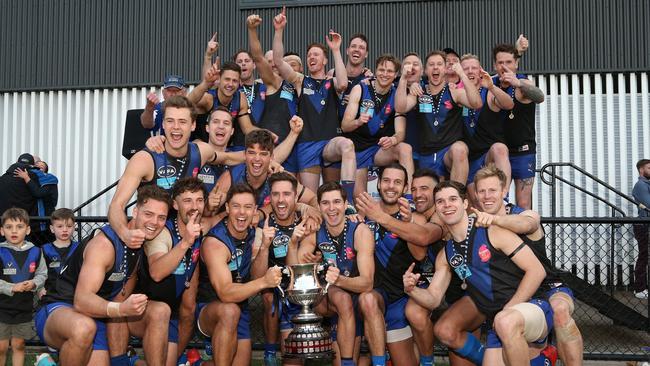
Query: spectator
x=14 y=192
x=152 y=116
x=46 y=192
x=641 y=193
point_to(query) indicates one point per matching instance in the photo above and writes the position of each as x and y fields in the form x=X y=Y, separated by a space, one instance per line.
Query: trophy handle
x=322 y=268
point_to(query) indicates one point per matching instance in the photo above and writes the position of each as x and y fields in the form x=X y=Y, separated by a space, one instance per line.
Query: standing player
x=225 y=284
x=355 y=67
x=439 y=117
x=318 y=107
x=483 y=128
x=519 y=122
x=491 y=188
x=370 y=122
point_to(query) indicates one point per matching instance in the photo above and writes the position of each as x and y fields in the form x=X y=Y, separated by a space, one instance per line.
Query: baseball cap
x=174 y=81
x=450 y=50
x=26 y=159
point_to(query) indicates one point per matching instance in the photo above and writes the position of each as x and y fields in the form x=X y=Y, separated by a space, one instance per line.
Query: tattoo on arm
x=532 y=92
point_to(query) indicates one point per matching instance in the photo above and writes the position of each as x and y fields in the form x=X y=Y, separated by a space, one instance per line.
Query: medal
x=463 y=285
x=511 y=115
x=471 y=125
x=187 y=284
x=381 y=125
x=322 y=102
x=435 y=123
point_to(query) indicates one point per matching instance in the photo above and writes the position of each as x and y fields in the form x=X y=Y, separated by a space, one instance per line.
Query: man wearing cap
x=151 y=118
x=14 y=192
x=451 y=58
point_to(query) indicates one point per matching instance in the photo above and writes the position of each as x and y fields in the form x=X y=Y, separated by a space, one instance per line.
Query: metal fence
x=613 y=322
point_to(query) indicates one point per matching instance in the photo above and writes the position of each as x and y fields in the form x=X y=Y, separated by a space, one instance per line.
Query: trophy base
x=324 y=356
x=308 y=342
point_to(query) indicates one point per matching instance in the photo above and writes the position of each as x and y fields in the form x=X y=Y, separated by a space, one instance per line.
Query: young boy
x=23 y=271
x=55 y=253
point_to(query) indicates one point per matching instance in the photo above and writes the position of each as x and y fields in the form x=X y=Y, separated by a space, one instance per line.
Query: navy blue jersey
x=439 y=121
x=318 y=107
x=262 y=194
x=54 y=256
x=210 y=174
x=157 y=128
x=518 y=123
x=280 y=243
x=494 y=277
x=280 y=107
x=382 y=120
x=233 y=107
x=255 y=95
x=392 y=259
x=18 y=266
x=124 y=265
x=482 y=127
x=339 y=250
x=168 y=169
x=241 y=252
x=345 y=96
x=171 y=288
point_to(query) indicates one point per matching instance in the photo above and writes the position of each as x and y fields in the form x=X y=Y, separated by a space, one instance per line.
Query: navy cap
x=450 y=50
x=174 y=81
x=26 y=159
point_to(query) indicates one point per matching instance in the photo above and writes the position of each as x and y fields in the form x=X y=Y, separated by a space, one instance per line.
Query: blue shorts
x=561 y=288
x=366 y=158
x=172 y=335
x=523 y=166
x=394 y=312
x=243 y=326
x=286 y=313
x=100 y=343
x=493 y=340
x=435 y=162
x=310 y=154
x=291 y=163
x=474 y=167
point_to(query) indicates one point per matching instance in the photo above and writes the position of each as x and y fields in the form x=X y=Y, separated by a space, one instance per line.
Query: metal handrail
x=549 y=169
x=96 y=196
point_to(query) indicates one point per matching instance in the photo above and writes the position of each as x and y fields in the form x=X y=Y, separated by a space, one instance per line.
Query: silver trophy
x=308 y=339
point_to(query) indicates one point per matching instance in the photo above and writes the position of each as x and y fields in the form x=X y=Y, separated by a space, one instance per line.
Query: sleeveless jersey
x=520 y=129
x=168 y=169
x=539 y=248
x=412 y=129
x=382 y=118
x=339 y=250
x=210 y=174
x=241 y=252
x=439 y=121
x=171 y=288
x=54 y=256
x=255 y=95
x=280 y=243
x=262 y=194
x=482 y=127
x=279 y=108
x=392 y=259
x=494 y=277
x=318 y=107
x=345 y=96
x=233 y=107
x=18 y=266
x=124 y=265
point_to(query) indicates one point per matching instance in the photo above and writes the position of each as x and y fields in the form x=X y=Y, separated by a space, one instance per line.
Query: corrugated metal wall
x=95 y=44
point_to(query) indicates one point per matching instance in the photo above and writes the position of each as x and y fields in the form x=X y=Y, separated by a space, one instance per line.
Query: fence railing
x=613 y=322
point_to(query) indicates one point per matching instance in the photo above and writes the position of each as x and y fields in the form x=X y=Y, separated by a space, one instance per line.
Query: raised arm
x=285 y=70
x=162 y=263
x=261 y=253
x=526 y=223
x=403 y=101
x=467 y=96
x=529 y=92
x=146 y=118
x=497 y=99
x=257 y=53
x=341 y=78
x=283 y=150
x=137 y=170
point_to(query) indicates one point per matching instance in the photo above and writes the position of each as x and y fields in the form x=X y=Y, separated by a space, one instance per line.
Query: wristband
x=113 y=310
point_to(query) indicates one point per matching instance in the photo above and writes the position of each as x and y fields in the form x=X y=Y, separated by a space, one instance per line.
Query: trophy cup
x=308 y=339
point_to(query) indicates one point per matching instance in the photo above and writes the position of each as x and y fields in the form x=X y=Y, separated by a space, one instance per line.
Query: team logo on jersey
x=388 y=109
x=425 y=99
x=9 y=270
x=195 y=172
x=114 y=277
x=263 y=95
x=32 y=267
x=166 y=171
x=195 y=255
x=456 y=260
x=55 y=264
x=238 y=253
x=328 y=84
x=280 y=240
x=367 y=107
x=484 y=253
x=349 y=253
x=327 y=247
x=448 y=105
x=267 y=201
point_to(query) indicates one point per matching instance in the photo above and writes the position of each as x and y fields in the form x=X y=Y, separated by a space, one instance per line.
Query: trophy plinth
x=308 y=339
